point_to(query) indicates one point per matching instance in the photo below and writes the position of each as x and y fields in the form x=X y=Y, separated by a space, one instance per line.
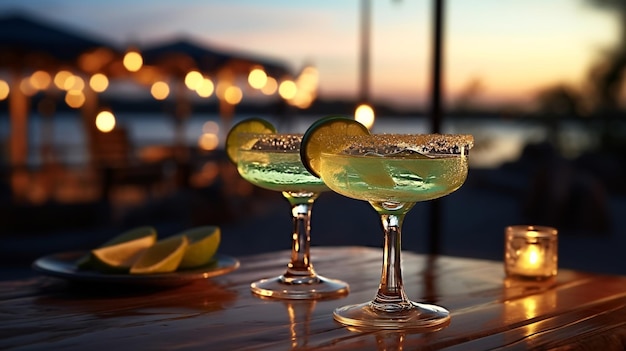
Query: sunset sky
x=508 y=49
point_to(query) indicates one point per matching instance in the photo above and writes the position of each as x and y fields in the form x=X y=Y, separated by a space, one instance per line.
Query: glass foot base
x=422 y=316
x=318 y=289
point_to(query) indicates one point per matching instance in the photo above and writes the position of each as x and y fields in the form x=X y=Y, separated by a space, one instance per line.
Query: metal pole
x=364 y=59
x=435 y=116
x=437 y=58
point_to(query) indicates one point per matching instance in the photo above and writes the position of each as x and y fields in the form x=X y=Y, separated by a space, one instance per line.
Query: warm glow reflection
x=220 y=88
x=95 y=60
x=160 y=90
x=530 y=307
x=147 y=75
x=233 y=95
x=208 y=141
x=27 y=88
x=207 y=175
x=309 y=78
x=364 y=114
x=74 y=98
x=105 y=121
x=206 y=88
x=524 y=309
x=133 y=61
x=210 y=127
x=257 y=78
x=99 y=82
x=73 y=83
x=211 y=170
x=270 y=87
x=4 y=89
x=306 y=88
x=40 y=80
x=287 y=89
x=194 y=80
x=61 y=77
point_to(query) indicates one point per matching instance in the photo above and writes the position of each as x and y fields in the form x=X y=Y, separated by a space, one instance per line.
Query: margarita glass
x=272 y=161
x=392 y=173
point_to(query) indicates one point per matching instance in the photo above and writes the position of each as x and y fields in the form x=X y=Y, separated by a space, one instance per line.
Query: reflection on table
x=576 y=310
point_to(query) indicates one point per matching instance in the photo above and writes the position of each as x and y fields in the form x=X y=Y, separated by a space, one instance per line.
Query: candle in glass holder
x=530 y=252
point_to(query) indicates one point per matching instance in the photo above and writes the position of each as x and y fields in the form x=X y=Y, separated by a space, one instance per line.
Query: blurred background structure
x=113 y=114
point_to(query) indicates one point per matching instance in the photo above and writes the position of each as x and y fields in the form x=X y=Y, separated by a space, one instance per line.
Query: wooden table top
x=576 y=311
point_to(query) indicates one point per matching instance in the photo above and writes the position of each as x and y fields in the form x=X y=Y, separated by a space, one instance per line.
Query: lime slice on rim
x=250 y=125
x=203 y=244
x=119 y=253
x=162 y=257
x=325 y=135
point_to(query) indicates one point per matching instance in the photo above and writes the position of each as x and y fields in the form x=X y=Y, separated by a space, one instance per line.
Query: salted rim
x=246 y=137
x=421 y=143
x=466 y=140
x=249 y=134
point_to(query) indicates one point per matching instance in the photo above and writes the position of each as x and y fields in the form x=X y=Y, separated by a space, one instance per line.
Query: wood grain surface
x=575 y=311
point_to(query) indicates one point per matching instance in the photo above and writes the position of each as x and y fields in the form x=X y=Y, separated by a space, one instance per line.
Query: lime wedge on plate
x=250 y=125
x=162 y=257
x=203 y=244
x=119 y=253
x=325 y=135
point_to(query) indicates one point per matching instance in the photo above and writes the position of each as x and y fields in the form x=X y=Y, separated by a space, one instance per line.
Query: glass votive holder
x=530 y=252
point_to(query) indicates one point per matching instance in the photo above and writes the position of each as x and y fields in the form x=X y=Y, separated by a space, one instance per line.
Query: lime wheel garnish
x=250 y=125
x=325 y=135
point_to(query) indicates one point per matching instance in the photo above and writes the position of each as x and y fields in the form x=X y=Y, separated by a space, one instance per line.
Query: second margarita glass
x=272 y=161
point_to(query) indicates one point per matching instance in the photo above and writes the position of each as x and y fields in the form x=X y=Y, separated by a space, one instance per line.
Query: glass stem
x=391 y=296
x=300 y=269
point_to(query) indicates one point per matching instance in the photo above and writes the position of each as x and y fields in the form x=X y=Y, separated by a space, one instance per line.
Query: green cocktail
x=278 y=171
x=406 y=178
x=272 y=161
x=391 y=172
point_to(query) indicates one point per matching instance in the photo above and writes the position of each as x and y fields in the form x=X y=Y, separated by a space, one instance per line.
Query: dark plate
x=63 y=265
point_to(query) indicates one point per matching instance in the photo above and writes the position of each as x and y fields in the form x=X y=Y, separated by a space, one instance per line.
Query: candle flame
x=531 y=258
x=533 y=255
